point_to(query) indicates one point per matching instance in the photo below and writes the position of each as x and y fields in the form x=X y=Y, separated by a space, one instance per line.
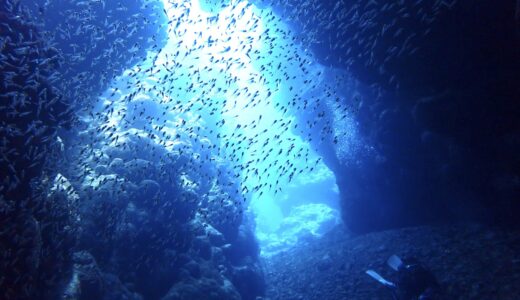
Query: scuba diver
x=414 y=281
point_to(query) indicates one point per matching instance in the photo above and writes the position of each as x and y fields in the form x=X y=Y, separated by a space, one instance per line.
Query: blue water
x=214 y=149
x=241 y=95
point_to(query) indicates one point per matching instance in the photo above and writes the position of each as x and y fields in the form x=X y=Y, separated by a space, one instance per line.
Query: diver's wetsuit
x=415 y=282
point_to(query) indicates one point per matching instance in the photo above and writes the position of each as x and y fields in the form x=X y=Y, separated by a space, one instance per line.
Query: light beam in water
x=232 y=77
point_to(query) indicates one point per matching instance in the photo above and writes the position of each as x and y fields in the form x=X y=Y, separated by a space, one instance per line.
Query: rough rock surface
x=111 y=224
x=151 y=229
x=437 y=106
x=469 y=261
x=37 y=226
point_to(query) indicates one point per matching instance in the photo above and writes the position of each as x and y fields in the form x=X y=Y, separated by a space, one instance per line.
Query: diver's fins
x=394 y=262
x=379 y=278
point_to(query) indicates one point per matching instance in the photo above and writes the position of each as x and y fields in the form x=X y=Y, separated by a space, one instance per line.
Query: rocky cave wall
x=31 y=114
x=439 y=84
x=80 y=219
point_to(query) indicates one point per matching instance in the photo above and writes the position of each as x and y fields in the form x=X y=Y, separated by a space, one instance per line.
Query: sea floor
x=469 y=261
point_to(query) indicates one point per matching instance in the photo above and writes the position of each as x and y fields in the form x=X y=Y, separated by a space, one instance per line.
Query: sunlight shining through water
x=237 y=102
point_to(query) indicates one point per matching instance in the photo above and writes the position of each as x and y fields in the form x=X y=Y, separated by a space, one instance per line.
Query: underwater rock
x=215 y=237
x=161 y=225
x=137 y=169
x=240 y=268
x=243 y=247
x=248 y=280
x=220 y=203
x=218 y=255
x=315 y=218
x=117 y=166
x=434 y=67
x=304 y=222
x=132 y=199
x=28 y=245
x=87 y=280
x=325 y=263
x=59 y=225
x=204 y=289
x=202 y=246
x=148 y=189
x=193 y=268
x=35 y=234
x=35 y=250
x=117 y=290
x=436 y=134
x=468 y=260
x=101 y=169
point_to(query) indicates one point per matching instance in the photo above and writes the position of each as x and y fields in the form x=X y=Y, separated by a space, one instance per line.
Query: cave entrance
x=306 y=208
x=246 y=77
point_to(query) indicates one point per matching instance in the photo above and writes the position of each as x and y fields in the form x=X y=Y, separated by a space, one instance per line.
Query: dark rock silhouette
x=443 y=120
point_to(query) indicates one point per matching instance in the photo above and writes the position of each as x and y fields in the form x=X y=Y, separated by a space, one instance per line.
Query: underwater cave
x=259 y=149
